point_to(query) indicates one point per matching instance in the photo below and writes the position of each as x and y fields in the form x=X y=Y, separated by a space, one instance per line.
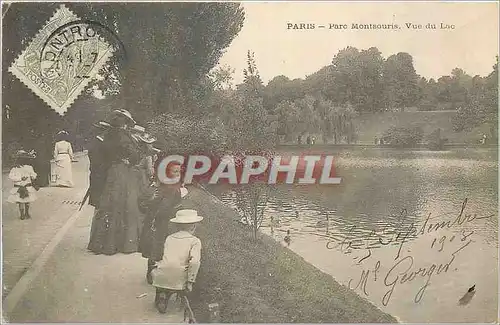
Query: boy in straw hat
x=177 y=271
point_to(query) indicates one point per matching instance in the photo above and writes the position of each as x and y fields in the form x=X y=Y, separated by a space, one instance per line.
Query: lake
x=411 y=231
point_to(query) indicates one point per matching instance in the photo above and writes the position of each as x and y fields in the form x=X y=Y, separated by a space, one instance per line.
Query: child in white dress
x=22 y=174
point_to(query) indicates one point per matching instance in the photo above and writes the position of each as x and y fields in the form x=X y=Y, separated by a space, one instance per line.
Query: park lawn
x=260 y=281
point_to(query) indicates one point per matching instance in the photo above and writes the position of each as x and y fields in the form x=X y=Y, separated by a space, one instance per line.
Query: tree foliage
x=168 y=51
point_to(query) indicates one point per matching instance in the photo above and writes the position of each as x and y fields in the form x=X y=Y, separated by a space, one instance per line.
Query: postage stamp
x=62 y=59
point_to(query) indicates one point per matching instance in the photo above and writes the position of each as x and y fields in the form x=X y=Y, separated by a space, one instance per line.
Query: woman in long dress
x=98 y=164
x=41 y=163
x=117 y=222
x=63 y=155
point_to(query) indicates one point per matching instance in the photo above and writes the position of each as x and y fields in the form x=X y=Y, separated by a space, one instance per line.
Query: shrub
x=403 y=137
x=435 y=141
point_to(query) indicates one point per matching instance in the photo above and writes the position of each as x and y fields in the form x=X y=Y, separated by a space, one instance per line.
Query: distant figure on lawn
x=288 y=238
x=63 y=155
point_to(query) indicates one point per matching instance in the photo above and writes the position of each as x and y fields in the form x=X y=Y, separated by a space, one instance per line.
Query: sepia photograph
x=250 y=162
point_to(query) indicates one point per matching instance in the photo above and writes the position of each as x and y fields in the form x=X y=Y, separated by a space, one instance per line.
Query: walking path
x=49 y=276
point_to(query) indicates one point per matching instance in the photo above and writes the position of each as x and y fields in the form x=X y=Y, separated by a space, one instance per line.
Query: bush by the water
x=435 y=141
x=402 y=137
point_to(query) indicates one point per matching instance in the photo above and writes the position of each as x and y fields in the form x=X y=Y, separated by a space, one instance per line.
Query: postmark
x=61 y=60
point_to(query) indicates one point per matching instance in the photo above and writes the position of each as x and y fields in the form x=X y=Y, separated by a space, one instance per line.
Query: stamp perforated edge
x=61 y=110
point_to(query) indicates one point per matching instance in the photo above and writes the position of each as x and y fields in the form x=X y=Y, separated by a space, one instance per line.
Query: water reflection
x=332 y=226
x=377 y=185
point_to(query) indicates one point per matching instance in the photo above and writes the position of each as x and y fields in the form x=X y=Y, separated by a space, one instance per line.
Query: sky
x=472 y=45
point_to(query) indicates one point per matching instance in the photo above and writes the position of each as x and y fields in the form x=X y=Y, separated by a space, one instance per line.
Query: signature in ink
x=404 y=271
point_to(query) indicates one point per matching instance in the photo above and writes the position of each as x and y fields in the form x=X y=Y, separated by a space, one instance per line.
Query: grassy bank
x=369 y=126
x=261 y=281
x=374 y=125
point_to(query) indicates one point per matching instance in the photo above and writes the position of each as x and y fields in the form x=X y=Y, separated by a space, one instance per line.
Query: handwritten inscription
x=406 y=268
x=402 y=233
x=404 y=271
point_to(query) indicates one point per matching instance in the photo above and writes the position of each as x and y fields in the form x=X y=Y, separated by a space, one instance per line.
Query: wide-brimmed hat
x=24 y=154
x=146 y=138
x=138 y=129
x=186 y=216
x=124 y=112
x=102 y=125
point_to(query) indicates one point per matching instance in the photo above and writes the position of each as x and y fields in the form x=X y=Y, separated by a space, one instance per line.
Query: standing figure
x=180 y=263
x=98 y=163
x=42 y=161
x=145 y=166
x=288 y=238
x=63 y=155
x=117 y=221
x=158 y=210
x=23 y=175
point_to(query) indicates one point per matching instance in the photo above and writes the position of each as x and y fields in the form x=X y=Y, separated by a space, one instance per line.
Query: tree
x=168 y=50
x=288 y=119
x=252 y=131
x=280 y=89
x=222 y=77
x=252 y=86
x=308 y=120
x=251 y=201
x=335 y=120
x=355 y=78
x=428 y=94
x=252 y=127
x=482 y=104
x=400 y=82
x=460 y=85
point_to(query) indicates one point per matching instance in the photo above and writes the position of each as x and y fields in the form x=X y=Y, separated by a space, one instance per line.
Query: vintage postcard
x=250 y=162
